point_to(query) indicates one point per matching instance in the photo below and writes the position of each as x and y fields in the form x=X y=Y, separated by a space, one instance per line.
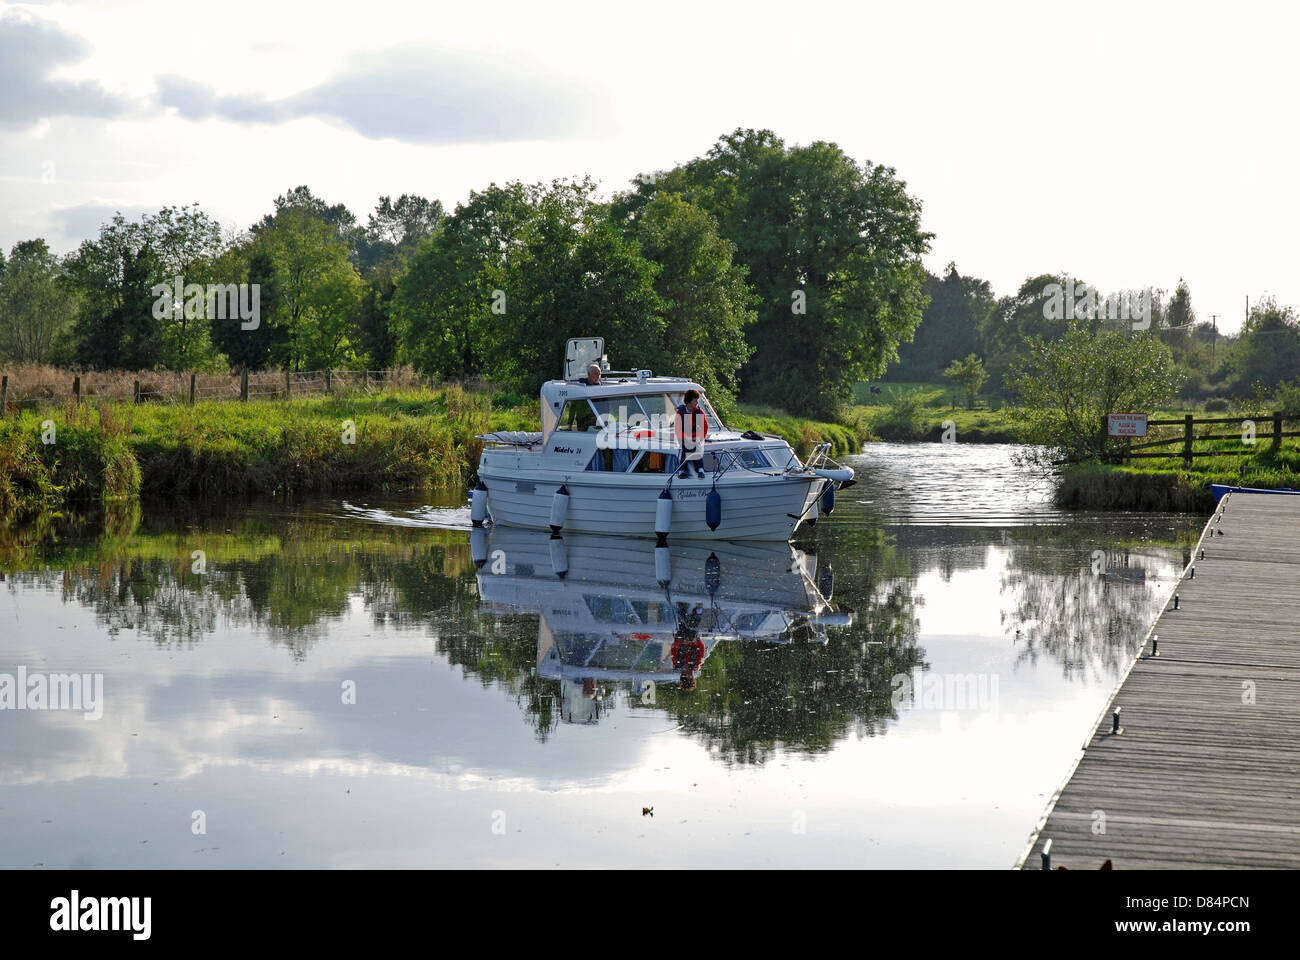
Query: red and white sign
x=1126 y=424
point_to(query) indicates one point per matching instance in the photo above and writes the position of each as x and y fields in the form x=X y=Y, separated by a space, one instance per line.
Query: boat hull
x=1219 y=489
x=753 y=508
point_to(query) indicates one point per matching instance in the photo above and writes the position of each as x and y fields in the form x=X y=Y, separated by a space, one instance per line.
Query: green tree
x=442 y=304
x=376 y=336
x=970 y=374
x=187 y=244
x=392 y=236
x=36 y=303
x=317 y=290
x=1268 y=351
x=1178 y=320
x=338 y=216
x=395 y=229
x=1070 y=384
x=833 y=251
x=706 y=303
x=267 y=343
x=115 y=327
x=958 y=310
x=574 y=274
x=1016 y=319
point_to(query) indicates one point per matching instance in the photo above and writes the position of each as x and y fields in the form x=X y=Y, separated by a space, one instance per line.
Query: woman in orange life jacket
x=692 y=427
x=688 y=649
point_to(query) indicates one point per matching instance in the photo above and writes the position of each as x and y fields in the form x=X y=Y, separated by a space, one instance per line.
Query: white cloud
x=1128 y=145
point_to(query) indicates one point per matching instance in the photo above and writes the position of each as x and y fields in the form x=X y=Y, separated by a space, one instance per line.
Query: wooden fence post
x=1277 y=430
x=288 y=386
x=1187 y=440
x=243 y=385
x=329 y=380
x=76 y=389
x=137 y=391
x=4 y=396
x=365 y=381
x=193 y=377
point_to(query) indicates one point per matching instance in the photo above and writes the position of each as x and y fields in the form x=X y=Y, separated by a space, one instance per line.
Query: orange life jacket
x=692 y=426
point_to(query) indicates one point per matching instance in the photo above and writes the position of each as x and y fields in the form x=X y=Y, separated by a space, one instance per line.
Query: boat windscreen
x=621 y=410
x=665 y=405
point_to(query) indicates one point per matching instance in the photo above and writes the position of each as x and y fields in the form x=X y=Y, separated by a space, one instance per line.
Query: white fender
x=478 y=503
x=559 y=557
x=839 y=476
x=559 y=508
x=663 y=566
x=664 y=514
x=478 y=546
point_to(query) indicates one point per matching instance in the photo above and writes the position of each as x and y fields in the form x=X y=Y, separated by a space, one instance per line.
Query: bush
x=26 y=484
x=902 y=420
x=92 y=459
x=1217 y=405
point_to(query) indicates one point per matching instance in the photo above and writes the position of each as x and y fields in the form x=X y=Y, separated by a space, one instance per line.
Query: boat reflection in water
x=614 y=610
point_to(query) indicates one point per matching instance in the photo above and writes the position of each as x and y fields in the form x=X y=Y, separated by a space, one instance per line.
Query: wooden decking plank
x=1202 y=776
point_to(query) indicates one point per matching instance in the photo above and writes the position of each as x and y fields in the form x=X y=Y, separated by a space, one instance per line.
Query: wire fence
x=37 y=387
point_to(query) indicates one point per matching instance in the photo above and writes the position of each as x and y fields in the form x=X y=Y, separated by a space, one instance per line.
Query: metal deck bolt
x=1047 y=855
x=1115 y=728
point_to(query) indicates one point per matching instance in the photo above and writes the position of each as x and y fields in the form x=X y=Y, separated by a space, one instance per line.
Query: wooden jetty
x=1205 y=769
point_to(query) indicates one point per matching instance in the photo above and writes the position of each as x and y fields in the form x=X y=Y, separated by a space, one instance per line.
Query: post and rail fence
x=20 y=389
x=1184 y=442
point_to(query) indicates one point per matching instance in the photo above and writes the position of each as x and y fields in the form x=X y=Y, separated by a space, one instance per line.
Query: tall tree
x=114 y=273
x=187 y=243
x=707 y=305
x=575 y=274
x=833 y=250
x=36 y=302
x=395 y=229
x=959 y=309
x=317 y=290
x=1268 y=350
x=443 y=304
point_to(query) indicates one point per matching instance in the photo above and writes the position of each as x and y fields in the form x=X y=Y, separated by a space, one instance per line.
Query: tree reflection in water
x=793 y=661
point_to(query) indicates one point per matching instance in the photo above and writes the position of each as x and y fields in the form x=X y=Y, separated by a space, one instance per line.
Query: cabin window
x=611 y=460
x=577 y=415
x=606 y=609
x=664 y=405
x=624 y=411
x=653 y=461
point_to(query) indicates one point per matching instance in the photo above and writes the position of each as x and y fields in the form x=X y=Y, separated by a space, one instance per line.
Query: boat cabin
x=624 y=423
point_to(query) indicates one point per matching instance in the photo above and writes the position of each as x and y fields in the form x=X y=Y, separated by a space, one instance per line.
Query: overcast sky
x=1128 y=144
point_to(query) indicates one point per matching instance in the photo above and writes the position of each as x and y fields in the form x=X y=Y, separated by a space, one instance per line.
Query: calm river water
x=339 y=684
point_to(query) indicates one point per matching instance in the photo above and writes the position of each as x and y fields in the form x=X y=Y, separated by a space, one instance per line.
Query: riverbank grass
x=81 y=455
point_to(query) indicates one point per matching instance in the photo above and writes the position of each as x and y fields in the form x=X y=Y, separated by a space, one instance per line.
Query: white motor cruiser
x=608 y=460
